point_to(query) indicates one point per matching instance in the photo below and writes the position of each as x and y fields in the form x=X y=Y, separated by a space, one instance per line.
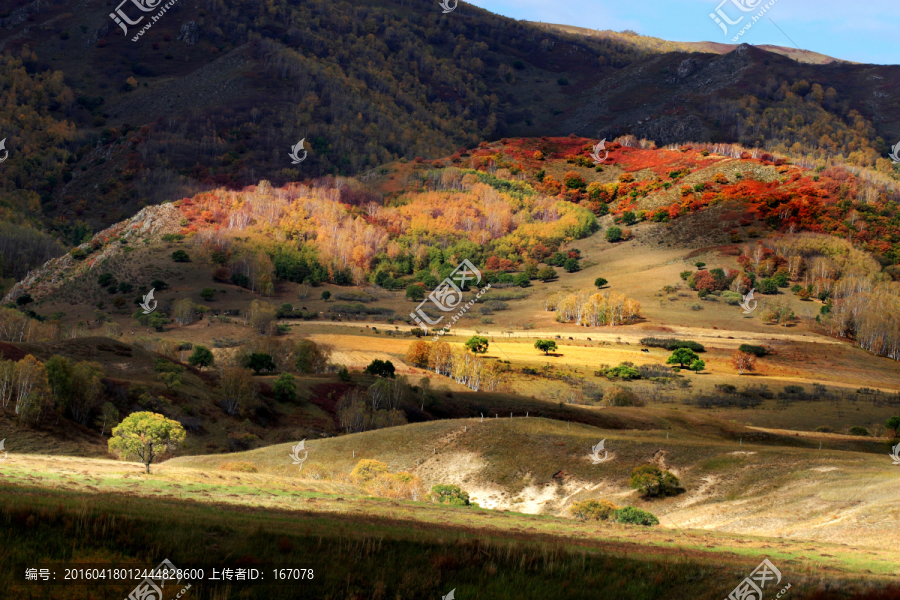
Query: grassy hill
x=278 y=518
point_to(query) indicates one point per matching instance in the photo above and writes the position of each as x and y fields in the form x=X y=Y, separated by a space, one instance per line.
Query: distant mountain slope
x=660 y=45
x=216 y=95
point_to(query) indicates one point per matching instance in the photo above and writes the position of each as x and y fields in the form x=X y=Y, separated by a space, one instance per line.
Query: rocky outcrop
x=150 y=223
x=190 y=33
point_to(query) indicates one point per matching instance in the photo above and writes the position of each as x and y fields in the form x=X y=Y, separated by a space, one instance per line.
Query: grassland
x=362 y=547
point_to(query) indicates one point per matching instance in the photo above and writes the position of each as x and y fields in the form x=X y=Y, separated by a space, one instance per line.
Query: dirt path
x=722 y=338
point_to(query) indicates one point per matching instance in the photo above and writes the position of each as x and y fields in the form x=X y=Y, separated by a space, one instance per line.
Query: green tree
x=571 y=265
x=415 y=292
x=699 y=264
x=260 y=361
x=146 y=435
x=477 y=344
x=894 y=425
x=698 y=365
x=284 y=388
x=326 y=295
x=24 y=299
x=545 y=346
x=59 y=377
x=521 y=280
x=650 y=481
x=547 y=274
x=683 y=357
x=600 y=282
x=180 y=256
x=108 y=417
x=207 y=293
x=168 y=372
x=310 y=357
x=381 y=368
x=613 y=234
x=202 y=357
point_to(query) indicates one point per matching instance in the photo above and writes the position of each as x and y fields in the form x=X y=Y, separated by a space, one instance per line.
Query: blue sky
x=865 y=31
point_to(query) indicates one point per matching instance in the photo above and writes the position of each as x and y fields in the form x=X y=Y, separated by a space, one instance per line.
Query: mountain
x=660 y=45
x=216 y=96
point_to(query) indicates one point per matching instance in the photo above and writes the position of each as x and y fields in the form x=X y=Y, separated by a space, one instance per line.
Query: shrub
x=625 y=372
x=619 y=396
x=600 y=282
x=613 y=234
x=547 y=274
x=825 y=429
x=672 y=344
x=634 y=516
x=685 y=274
x=858 y=430
x=207 y=293
x=367 y=470
x=284 y=388
x=793 y=389
x=650 y=481
x=180 y=256
x=595 y=510
x=449 y=494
